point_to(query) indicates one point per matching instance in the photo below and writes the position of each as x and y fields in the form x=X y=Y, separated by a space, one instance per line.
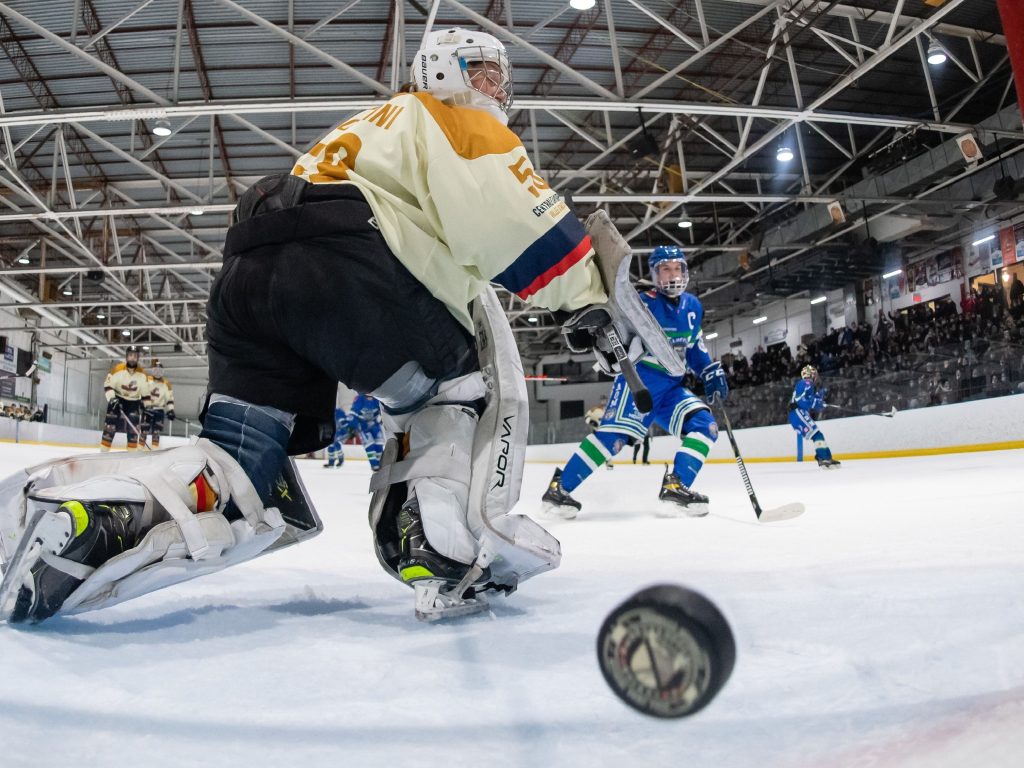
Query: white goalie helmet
x=467 y=68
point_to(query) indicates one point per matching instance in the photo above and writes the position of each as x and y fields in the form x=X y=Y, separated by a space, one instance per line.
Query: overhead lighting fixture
x=162 y=128
x=196 y=211
x=711 y=336
x=126 y=332
x=895 y=272
x=761 y=319
x=936 y=55
x=531 y=319
x=783 y=154
x=819 y=300
x=1006 y=276
x=582 y=5
x=24 y=260
x=145 y=347
x=684 y=220
x=984 y=240
x=68 y=292
x=100 y=316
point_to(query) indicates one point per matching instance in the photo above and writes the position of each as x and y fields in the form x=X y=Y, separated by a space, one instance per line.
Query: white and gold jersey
x=127 y=383
x=161 y=393
x=458 y=203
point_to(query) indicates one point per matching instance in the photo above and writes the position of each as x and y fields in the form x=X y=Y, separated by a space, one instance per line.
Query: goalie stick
x=786 y=511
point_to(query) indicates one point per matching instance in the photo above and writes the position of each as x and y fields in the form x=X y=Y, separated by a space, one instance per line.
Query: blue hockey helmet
x=673 y=283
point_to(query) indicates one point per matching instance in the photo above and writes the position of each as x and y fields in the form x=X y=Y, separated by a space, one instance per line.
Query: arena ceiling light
x=531 y=319
x=196 y=211
x=24 y=260
x=984 y=240
x=711 y=336
x=936 y=56
x=783 y=154
x=162 y=127
x=684 y=220
x=761 y=319
x=126 y=332
x=819 y=300
x=895 y=272
x=100 y=316
x=582 y=5
x=68 y=292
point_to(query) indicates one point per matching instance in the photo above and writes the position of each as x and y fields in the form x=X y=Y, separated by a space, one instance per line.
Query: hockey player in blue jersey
x=364 y=419
x=342 y=431
x=807 y=400
x=676 y=409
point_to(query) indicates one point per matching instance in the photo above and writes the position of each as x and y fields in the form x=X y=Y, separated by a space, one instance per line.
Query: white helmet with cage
x=470 y=69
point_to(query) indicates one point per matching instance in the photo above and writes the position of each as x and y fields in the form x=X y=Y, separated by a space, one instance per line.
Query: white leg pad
x=179 y=543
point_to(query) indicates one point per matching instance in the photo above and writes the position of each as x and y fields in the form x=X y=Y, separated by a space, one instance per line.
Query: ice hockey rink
x=885 y=627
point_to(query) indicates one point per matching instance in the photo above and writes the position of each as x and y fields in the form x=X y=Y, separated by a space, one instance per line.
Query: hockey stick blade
x=785 y=512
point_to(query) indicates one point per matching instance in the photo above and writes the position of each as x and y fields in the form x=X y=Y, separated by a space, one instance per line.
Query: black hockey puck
x=666 y=651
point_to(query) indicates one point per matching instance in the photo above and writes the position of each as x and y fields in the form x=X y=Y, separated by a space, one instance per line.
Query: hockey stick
x=138 y=432
x=641 y=395
x=786 y=511
x=887 y=414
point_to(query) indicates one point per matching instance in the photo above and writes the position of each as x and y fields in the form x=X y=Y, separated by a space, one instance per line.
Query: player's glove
x=170 y=414
x=112 y=405
x=715 y=385
x=815 y=415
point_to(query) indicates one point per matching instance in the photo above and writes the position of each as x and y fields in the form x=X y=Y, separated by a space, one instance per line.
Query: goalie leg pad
x=516 y=545
x=178 y=543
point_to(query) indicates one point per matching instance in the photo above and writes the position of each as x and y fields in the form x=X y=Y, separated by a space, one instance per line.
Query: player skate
x=676 y=499
x=557 y=502
x=829 y=463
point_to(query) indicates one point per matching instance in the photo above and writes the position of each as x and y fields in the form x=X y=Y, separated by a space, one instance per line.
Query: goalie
x=370 y=265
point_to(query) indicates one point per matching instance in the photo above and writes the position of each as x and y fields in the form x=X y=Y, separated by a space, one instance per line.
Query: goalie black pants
x=311 y=295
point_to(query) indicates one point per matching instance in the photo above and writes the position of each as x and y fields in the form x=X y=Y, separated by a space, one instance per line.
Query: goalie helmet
x=670 y=285
x=466 y=68
x=808 y=372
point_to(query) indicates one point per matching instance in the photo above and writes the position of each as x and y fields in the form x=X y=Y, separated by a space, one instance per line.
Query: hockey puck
x=666 y=651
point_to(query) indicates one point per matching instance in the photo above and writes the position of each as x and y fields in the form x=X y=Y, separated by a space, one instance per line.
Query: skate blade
x=563 y=512
x=49 y=532
x=432 y=604
x=671 y=509
x=785 y=512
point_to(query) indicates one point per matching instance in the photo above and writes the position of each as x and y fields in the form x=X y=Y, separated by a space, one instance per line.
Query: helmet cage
x=671 y=287
x=808 y=372
x=451 y=59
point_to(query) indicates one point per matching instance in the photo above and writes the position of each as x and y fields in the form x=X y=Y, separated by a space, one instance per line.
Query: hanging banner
x=1007 y=246
x=1018 y=236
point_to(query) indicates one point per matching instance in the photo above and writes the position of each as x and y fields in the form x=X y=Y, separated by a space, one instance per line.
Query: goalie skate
x=433 y=602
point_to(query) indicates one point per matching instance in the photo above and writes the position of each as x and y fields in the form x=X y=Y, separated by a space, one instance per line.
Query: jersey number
x=521 y=170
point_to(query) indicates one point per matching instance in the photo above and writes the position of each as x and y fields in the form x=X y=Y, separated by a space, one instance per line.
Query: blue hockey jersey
x=807 y=397
x=681 y=321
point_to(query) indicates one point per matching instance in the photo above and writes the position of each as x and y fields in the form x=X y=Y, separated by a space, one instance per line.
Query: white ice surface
x=883 y=628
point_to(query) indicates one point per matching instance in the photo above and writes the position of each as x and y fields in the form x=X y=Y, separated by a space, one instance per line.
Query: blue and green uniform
x=807 y=397
x=364 y=418
x=676 y=409
x=335 y=453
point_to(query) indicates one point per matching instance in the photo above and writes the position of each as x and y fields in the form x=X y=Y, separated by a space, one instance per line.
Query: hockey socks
x=595 y=450
x=690 y=457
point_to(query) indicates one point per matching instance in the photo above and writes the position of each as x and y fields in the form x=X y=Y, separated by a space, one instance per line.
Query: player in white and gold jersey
x=127 y=391
x=161 y=404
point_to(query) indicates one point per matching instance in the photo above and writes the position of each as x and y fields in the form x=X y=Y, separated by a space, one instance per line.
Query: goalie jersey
x=458 y=203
